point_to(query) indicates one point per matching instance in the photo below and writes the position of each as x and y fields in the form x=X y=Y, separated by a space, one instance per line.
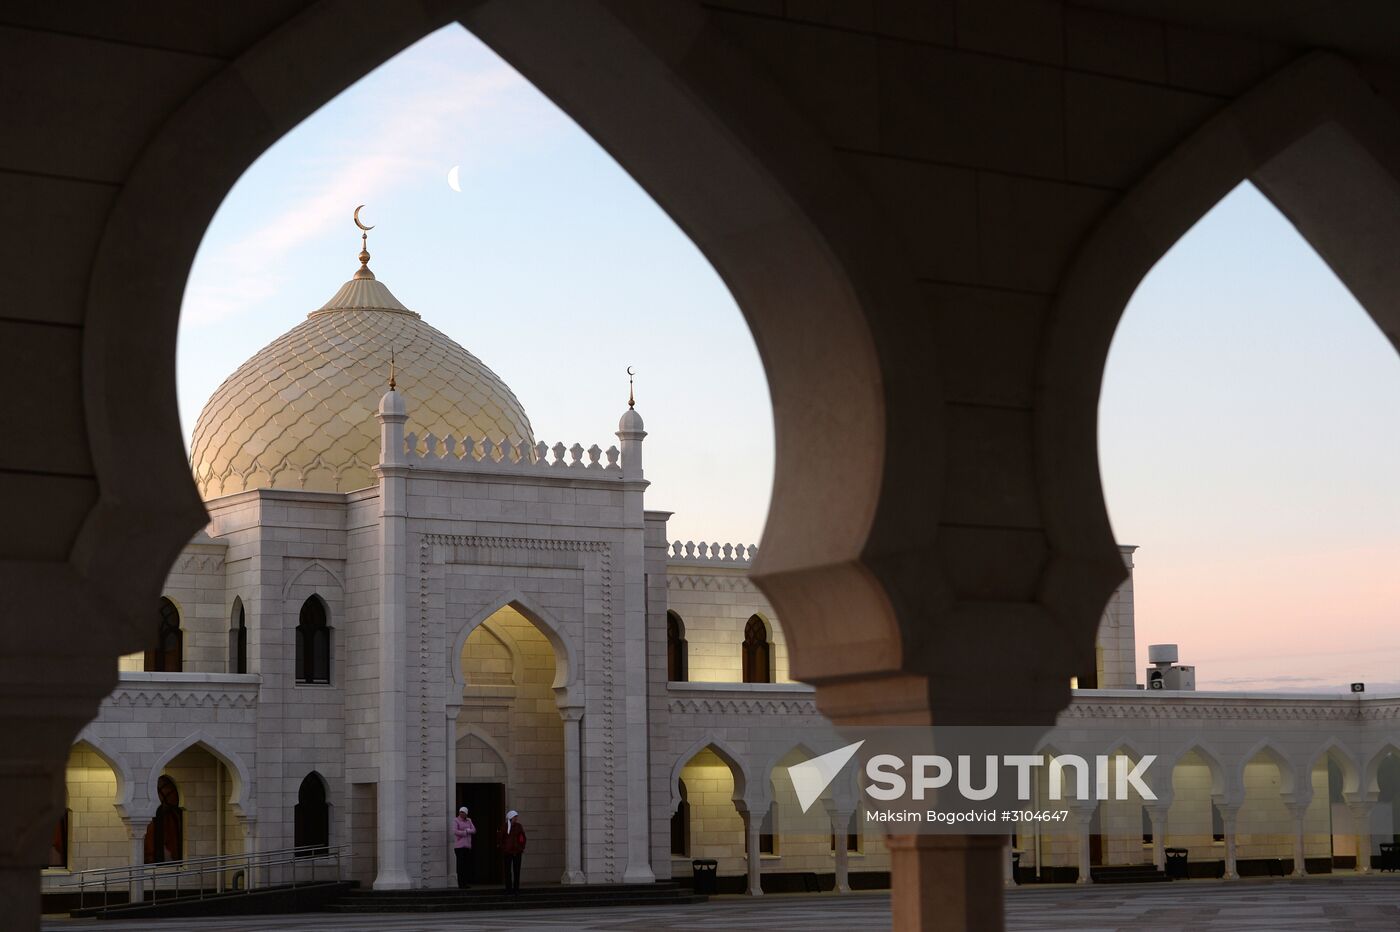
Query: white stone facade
x=504 y=616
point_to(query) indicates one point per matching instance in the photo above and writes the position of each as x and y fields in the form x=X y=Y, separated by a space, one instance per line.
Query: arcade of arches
x=931 y=221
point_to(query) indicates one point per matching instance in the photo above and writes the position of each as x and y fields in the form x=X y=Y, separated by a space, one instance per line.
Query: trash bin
x=706 y=876
x=1176 y=863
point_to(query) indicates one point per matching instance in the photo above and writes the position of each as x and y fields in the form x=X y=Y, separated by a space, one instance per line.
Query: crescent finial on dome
x=363 y=271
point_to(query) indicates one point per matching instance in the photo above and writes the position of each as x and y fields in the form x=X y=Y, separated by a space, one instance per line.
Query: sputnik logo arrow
x=811 y=777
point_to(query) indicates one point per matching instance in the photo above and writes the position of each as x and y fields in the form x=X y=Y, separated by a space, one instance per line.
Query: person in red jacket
x=511 y=841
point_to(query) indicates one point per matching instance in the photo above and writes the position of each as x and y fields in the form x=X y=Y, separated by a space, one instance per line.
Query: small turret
x=631 y=431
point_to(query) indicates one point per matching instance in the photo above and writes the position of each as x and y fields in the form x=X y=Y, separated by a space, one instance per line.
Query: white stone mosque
x=405 y=601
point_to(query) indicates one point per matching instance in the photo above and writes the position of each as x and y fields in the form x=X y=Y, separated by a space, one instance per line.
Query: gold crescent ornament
x=357 y=219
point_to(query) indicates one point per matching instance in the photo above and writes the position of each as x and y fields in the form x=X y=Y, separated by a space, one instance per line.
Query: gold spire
x=393 y=383
x=363 y=271
x=631 y=396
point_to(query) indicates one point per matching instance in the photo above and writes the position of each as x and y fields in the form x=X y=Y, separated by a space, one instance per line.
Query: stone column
x=136 y=846
x=1299 y=811
x=1084 y=820
x=753 y=821
x=1227 y=818
x=249 y=826
x=840 y=828
x=393 y=633
x=952 y=883
x=451 y=770
x=636 y=706
x=1158 y=815
x=50 y=692
x=573 y=796
x=1361 y=822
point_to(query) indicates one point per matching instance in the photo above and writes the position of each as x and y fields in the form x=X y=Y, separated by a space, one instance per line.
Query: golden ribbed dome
x=300 y=414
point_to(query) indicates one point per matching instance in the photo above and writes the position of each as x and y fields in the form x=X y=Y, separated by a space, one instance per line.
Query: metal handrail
x=135 y=876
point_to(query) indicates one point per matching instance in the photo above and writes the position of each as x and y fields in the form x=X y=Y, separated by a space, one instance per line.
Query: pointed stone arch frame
x=1287 y=770
x=1325 y=149
x=1334 y=750
x=482 y=735
x=240 y=779
x=122 y=801
x=792 y=233
x=295 y=578
x=734 y=761
x=1219 y=776
x=1370 y=786
x=566 y=666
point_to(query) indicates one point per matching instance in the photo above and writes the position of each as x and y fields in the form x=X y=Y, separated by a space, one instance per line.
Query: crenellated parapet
x=504 y=456
x=716 y=554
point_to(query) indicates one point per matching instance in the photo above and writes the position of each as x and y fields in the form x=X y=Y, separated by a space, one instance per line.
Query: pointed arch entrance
x=515 y=743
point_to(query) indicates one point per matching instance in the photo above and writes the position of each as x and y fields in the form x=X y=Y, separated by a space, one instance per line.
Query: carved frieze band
x=685 y=706
x=1256 y=711
x=184 y=698
x=725 y=583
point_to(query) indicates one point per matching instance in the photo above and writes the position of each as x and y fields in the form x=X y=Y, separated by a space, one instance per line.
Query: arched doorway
x=193 y=816
x=717 y=825
x=510 y=745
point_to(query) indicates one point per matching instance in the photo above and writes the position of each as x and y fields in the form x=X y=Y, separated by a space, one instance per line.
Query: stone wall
x=714 y=605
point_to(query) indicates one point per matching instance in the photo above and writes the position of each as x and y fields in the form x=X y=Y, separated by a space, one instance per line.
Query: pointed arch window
x=680 y=825
x=168 y=654
x=165 y=836
x=677 y=659
x=313 y=643
x=238 y=639
x=758 y=653
x=312 y=817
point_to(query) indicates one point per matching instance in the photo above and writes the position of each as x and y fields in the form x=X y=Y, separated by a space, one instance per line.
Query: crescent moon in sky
x=454 y=180
x=357 y=219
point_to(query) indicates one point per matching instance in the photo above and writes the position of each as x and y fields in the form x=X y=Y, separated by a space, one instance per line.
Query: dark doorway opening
x=486 y=805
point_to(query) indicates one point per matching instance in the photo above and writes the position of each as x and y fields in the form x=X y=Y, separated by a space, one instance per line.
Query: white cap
x=462 y=810
x=512 y=814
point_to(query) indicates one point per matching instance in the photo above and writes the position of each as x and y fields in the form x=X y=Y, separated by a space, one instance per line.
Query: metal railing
x=230 y=873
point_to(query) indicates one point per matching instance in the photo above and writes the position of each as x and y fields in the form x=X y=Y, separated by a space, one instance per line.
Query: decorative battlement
x=472 y=454
x=737 y=555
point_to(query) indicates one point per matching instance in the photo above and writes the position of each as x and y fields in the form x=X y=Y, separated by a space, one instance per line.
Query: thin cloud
x=396 y=147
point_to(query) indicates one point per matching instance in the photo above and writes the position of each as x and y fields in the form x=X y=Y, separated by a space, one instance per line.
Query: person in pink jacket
x=462 y=832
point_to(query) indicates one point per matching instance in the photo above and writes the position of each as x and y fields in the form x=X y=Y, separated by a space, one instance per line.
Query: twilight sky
x=1247 y=420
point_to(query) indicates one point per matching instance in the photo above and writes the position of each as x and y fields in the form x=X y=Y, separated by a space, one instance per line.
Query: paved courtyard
x=1331 y=904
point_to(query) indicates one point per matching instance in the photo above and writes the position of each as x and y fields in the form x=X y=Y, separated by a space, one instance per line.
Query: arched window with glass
x=313 y=643
x=758 y=652
x=312 y=817
x=237 y=639
x=677 y=661
x=167 y=656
